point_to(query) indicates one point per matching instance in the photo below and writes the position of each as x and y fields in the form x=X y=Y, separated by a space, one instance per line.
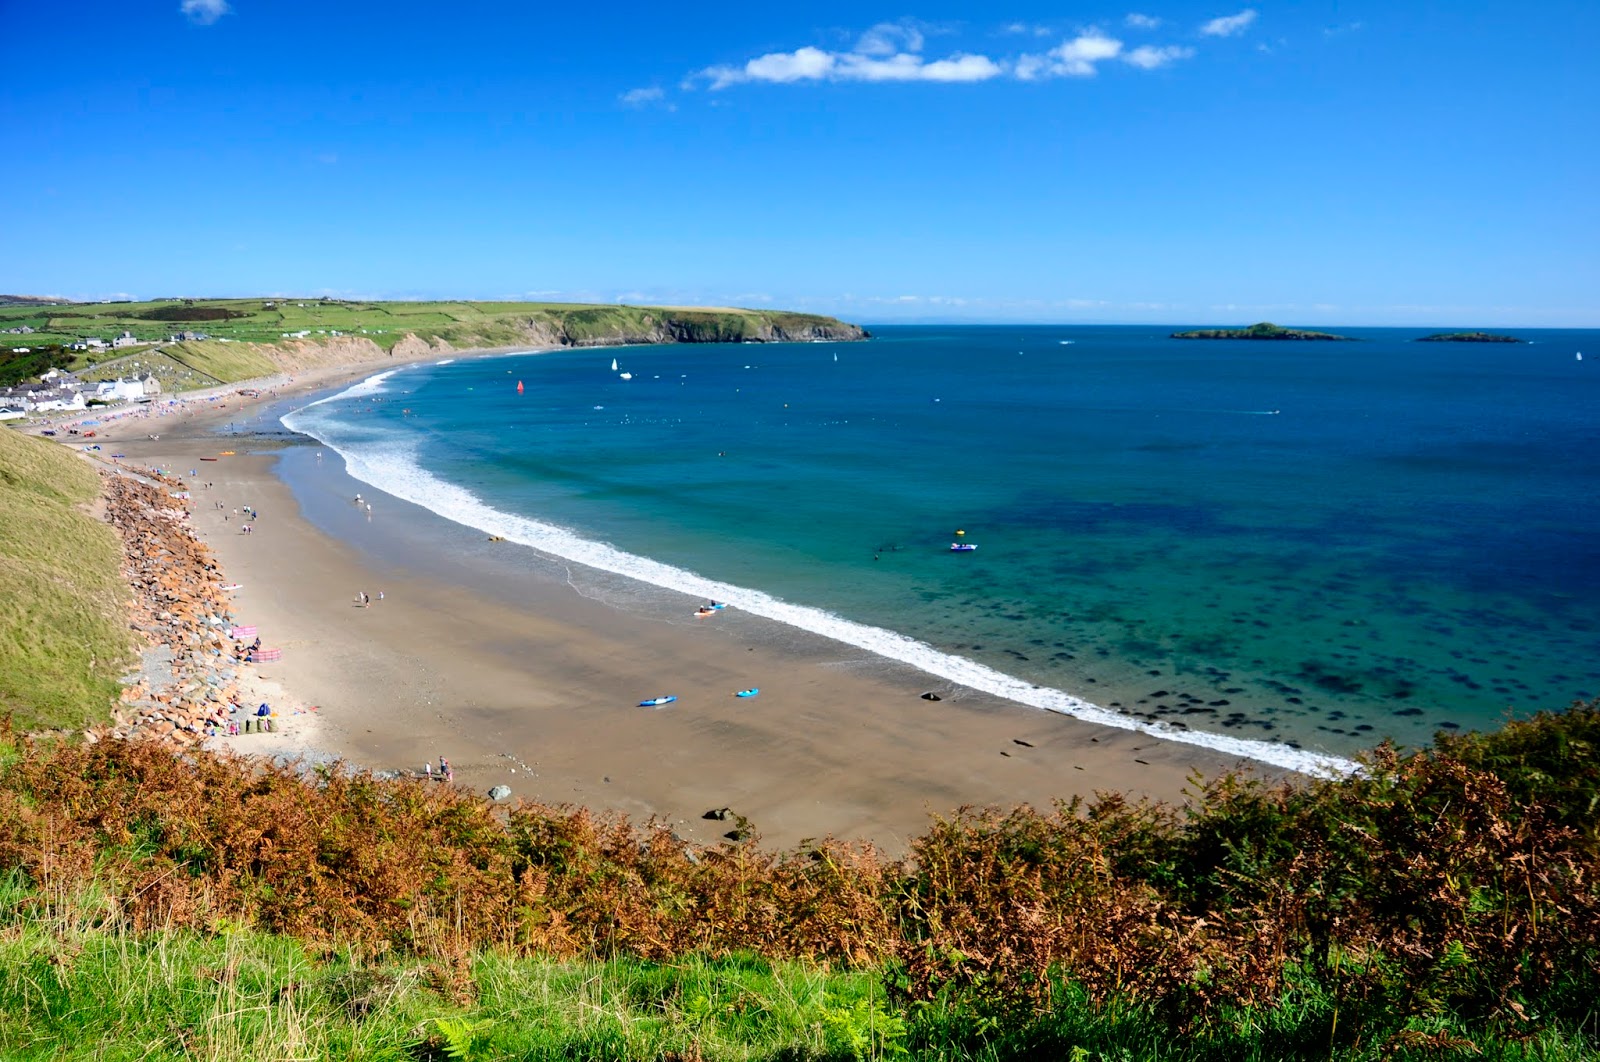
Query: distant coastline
x=1261 y=330
x=199 y=343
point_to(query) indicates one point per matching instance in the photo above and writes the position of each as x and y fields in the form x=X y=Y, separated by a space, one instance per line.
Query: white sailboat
x=613 y=364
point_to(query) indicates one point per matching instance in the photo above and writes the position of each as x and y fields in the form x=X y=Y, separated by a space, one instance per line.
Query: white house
x=11 y=413
x=126 y=339
x=59 y=400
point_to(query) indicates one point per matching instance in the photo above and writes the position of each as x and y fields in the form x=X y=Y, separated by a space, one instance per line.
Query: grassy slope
x=71 y=990
x=62 y=636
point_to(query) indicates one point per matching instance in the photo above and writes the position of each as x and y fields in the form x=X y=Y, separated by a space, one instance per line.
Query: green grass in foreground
x=62 y=638
x=69 y=990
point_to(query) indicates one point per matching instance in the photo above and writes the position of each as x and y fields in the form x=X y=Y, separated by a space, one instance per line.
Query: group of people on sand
x=445 y=773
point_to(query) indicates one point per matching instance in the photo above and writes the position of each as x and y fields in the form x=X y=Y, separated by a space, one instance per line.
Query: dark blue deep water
x=1323 y=543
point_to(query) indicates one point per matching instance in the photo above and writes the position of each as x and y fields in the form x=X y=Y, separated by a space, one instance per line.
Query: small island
x=1263 y=330
x=1469 y=337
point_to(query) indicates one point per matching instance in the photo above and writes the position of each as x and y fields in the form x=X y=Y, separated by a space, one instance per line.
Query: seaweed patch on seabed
x=1327 y=678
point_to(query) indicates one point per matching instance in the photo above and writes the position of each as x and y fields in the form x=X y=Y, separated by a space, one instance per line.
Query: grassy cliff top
x=1262 y=330
x=63 y=634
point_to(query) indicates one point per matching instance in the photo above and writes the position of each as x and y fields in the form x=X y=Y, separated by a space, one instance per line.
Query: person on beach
x=427 y=770
x=380 y=595
x=366 y=602
x=445 y=770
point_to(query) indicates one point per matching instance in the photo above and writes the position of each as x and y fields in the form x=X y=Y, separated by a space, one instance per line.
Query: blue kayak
x=656 y=701
x=751 y=692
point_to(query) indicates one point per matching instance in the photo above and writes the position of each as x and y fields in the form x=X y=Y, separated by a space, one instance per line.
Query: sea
x=1287 y=550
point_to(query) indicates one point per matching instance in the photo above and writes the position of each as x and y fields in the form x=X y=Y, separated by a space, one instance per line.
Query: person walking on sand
x=427 y=770
x=366 y=602
x=445 y=770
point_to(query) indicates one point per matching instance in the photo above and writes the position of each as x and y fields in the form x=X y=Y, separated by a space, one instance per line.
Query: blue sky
x=1316 y=163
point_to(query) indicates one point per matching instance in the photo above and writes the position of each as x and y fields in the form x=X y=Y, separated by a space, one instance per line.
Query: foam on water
x=390 y=465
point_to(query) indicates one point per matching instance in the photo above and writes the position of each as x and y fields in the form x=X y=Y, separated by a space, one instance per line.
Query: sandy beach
x=535 y=686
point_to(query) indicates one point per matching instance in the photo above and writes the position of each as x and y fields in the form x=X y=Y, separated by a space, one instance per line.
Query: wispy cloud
x=890 y=38
x=1348 y=27
x=1146 y=57
x=1025 y=29
x=1229 y=25
x=652 y=96
x=1138 y=21
x=204 y=12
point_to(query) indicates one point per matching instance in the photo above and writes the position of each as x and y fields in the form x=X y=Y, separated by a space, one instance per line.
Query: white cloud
x=889 y=38
x=891 y=52
x=1074 y=58
x=814 y=64
x=640 y=96
x=804 y=64
x=1229 y=25
x=204 y=12
x=1146 y=57
x=1138 y=21
x=1348 y=27
x=904 y=67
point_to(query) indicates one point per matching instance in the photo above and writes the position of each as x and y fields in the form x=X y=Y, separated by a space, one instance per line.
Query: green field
x=63 y=636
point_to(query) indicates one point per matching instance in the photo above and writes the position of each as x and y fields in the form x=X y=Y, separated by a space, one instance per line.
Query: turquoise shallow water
x=1314 y=543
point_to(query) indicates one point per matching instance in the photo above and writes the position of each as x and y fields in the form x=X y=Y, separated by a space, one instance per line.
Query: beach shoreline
x=537 y=688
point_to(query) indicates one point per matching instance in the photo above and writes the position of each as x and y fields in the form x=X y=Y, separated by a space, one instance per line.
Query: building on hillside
x=88 y=344
x=126 y=339
x=12 y=413
x=187 y=337
x=59 y=378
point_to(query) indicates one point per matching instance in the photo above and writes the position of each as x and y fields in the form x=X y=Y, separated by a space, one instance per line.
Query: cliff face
x=605 y=327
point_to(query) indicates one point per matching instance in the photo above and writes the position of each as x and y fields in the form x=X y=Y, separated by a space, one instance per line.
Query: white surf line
x=397 y=473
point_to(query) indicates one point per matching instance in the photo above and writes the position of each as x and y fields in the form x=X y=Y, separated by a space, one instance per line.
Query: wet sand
x=535 y=686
